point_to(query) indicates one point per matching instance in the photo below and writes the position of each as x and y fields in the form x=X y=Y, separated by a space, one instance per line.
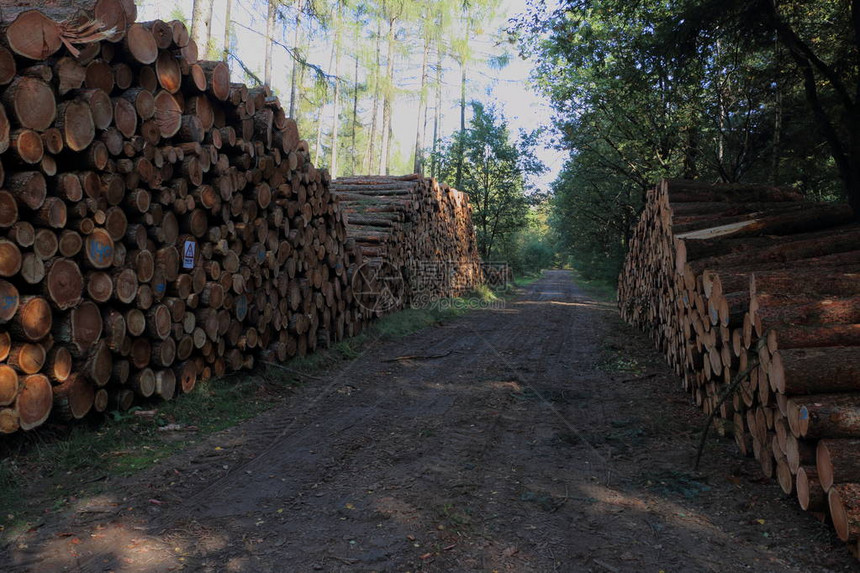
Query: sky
x=508 y=87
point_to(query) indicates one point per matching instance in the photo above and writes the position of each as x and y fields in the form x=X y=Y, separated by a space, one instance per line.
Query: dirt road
x=544 y=436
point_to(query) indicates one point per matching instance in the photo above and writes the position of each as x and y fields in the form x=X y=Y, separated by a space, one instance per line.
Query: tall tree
x=437 y=113
x=201 y=20
x=271 y=12
x=472 y=14
x=418 y=163
x=495 y=175
x=392 y=10
x=377 y=91
x=335 y=116
x=297 y=54
x=228 y=15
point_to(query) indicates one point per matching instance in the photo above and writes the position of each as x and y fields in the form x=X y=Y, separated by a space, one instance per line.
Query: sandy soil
x=544 y=436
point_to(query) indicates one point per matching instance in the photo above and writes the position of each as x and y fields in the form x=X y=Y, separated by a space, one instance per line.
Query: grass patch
x=526 y=280
x=64 y=462
x=601 y=290
x=42 y=471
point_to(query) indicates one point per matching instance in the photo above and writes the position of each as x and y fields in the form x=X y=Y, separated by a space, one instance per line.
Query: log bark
x=836 y=461
x=815 y=370
x=824 y=416
x=844 y=503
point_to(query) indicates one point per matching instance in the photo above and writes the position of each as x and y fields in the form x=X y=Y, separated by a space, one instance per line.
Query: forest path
x=542 y=436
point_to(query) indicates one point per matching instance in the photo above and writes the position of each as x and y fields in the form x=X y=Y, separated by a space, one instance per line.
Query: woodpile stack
x=753 y=285
x=158 y=224
x=415 y=236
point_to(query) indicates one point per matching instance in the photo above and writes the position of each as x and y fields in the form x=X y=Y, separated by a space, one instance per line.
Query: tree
x=392 y=10
x=201 y=21
x=651 y=89
x=823 y=41
x=472 y=14
x=428 y=25
x=495 y=175
x=271 y=13
x=228 y=12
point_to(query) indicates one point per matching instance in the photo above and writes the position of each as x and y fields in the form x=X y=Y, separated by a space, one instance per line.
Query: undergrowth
x=596 y=288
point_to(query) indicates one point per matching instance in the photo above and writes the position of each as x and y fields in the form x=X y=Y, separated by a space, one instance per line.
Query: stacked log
x=754 y=294
x=415 y=236
x=159 y=225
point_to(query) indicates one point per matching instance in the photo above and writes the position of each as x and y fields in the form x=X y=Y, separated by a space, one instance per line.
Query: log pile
x=415 y=236
x=159 y=224
x=754 y=294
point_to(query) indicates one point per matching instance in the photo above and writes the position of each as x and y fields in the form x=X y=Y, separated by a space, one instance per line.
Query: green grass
x=598 y=289
x=70 y=461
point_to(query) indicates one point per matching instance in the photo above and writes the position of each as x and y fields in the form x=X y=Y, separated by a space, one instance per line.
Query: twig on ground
x=417 y=357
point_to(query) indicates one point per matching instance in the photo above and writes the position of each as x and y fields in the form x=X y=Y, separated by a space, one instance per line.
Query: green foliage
x=494 y=175
x=178 y=14
x=716 y=90
x=534 y=247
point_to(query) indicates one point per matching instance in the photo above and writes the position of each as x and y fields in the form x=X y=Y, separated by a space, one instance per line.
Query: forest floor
x=543 y=436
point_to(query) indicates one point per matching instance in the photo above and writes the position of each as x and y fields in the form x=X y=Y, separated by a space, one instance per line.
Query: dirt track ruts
x=542 y=436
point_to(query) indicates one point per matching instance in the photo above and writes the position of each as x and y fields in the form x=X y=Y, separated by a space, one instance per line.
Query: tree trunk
x=297 y=35
x=371 y=140
x=437 y=115
x=387 y=101
x=461 y=152
x=776 y=146
x=418 y=165
x=270 y=30
x=201 y=16
x=354 y=155
x=207 y=41
x=335 y=116
x=228 y=14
